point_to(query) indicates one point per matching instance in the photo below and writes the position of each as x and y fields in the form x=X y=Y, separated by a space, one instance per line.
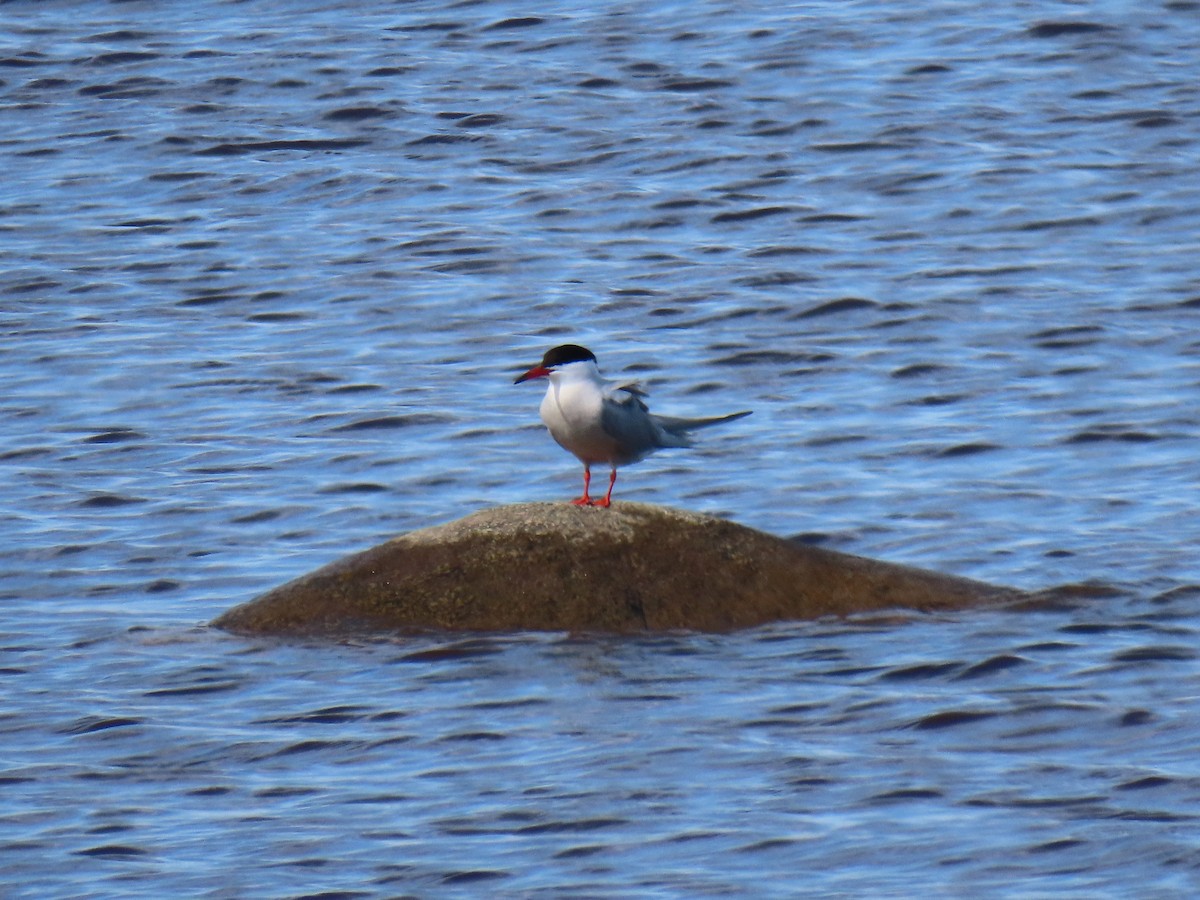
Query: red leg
x=612 y=479
x=585 y=500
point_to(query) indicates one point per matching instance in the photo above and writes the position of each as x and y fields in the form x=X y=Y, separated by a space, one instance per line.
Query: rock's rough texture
x=631 y=568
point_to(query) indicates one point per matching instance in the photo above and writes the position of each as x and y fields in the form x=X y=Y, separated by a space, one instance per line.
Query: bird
x=603 y=421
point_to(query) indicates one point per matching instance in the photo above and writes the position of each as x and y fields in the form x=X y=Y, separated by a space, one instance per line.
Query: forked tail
x=680 y=426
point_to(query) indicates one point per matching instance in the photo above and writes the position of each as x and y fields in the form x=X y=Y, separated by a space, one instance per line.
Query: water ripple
x=265 y=283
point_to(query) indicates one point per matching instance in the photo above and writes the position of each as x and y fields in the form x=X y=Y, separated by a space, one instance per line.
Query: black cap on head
x=566 y=353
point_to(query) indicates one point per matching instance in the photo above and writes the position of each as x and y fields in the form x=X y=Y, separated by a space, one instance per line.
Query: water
x=267 y=271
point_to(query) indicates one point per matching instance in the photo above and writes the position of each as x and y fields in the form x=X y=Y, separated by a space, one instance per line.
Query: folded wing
x=625 y=418
x=638 y=432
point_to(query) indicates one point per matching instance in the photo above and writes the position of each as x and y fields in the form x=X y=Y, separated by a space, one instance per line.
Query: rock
x=553 y=566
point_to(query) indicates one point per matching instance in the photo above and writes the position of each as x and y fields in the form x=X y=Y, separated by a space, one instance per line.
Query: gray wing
x=630 y=387
x=626 y=419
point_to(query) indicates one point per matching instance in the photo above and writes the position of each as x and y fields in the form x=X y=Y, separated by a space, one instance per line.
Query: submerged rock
x=553 y=566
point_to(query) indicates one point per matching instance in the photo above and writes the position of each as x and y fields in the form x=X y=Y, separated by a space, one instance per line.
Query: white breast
x=571 y=410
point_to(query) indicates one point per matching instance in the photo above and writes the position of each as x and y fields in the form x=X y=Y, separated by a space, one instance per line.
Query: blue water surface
x=267 y=271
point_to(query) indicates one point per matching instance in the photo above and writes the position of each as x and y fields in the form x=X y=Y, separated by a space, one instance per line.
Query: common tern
x=603 y=421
